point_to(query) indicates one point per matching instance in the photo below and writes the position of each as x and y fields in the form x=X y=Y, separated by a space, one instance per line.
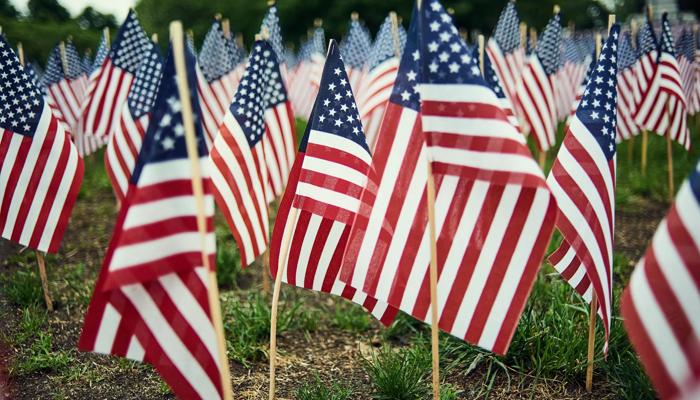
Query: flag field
x=331 y=348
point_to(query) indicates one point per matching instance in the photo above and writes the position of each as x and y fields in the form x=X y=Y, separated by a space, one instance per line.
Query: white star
x=445 y=36
x=405 y=96
x=433 y=67
x=411 y=75
x=168 y=143
x=444 y=57
x=594 y=115
x=167 y=118
x=338 y=122
x=331 y=86
x=432 y=47
x=434 y=26
x=435 y=6
x=454 y=67
x=179 y=130
x=321 y=118
x=416 y=55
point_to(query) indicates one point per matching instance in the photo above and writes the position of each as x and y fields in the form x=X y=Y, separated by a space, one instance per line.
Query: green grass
x=23 y=287
x=228 y=260
x=40 y=356
x=351 y=317
x=315 y=389
x=401 y=374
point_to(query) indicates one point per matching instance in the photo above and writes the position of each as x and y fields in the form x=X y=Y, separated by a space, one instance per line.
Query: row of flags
x=384 y=118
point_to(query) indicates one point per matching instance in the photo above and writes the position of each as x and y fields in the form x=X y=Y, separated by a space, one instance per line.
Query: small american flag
x=571 y=73
x=491 y=78
x=375 y=89
x=583 y=182
x=280 y=131
x=86 y=64
x=663 y=106
x=125 y=142
x=238 y=157
x=63 y=87
x=686 y=60
x=493 y=223
x=660 y=305
x=41 y=170
x=627 y=89
x=87 y=144
x=301 y=90
x=323 y=194
x=109 y=89
x=215 y=87
x=151 y=301
x=535 y=92
x=645 y=66
x=505 y=50
x=355 y=48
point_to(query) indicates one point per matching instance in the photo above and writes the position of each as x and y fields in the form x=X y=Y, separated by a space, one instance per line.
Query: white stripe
x=464 y=93
x=306 y=246
x=165 y=171
x=330 y=168
x=329 y=249
x=135 y=351
x=163 y=209
x=107 y=330
x=495 y=161
x=328 y=196
x=482 y=127
x=157 y=249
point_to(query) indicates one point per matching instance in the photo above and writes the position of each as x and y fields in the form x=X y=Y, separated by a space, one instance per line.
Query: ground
x=329 y=349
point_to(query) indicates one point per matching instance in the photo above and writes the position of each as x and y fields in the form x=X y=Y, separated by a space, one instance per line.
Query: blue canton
x=318 y=41
x=446 y=58
x=248 y=106
x=20 y=101
x=214 y=58
x=54 y=68
x=548 y=46
x=165 y=138
x=335 y=110
x=31 y=71
x=73 y=61
x=598 y=104
x=142 y=94
x=627 y=55
x=130 y=45
x=405 y=92
x=666 y=36
x=507 y=32
x=646 y=39
x=356 y=45
x=290 y=58
x=86 y=64
x=686 y=45
x=384 y=47
x=275 y=92
x=272 y=23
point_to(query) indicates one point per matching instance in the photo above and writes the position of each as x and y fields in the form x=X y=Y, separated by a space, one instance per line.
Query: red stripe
x=17 y=168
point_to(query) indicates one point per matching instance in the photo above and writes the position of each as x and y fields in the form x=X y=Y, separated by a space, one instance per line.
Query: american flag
x=583 y=182
x=355 y=48
x=88 y=144
x=686 y=60
x=491 y=78
x=40 y=169
x=663 y=105
x=86 y=64
x=694 y=106
x=660 y=305
x=151 y=301
x=100 y=55
x=322 y=198
x=582 y=86
x=125 y=142
x=280 y=131
x=536 y=90
x=491 y=232
x=375 y=89
x=627 y=89
x=307 y=77
x=109 y=88
x=215 y=86
x=63 y=87
x=505 y=51
x=648 y=49
x=239 y=171
x=571 y=73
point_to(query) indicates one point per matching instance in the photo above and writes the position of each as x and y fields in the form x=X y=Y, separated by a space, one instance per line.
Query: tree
x=47 y=10
x=93 y=19
x=7 y=9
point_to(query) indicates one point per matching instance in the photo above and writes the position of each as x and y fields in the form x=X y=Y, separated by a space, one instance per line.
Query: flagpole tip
x=557 y=9
x=270 y=3
x=175 y=31
x=354 y=15
x=218 y=16
x=450 y=11
x=318 y=22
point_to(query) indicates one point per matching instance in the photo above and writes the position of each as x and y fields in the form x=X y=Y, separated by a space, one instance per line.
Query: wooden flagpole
x=594 y=299
x=669 y=163
x=39 y=255
x=105 y=31
x=281 y=270
x=177 y=38
x=434 y=330
x=154 y=38
x=64 y=61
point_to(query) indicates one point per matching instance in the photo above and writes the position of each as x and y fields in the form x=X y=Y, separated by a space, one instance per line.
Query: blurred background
x=40 y=24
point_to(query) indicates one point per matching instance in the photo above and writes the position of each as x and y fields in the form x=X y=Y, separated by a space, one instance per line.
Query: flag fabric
x=109 y=88
x=88 y=144
x=237 y=156
x=86 y=64
x=151 y=301
x=694 y=107
x=100 y=55
x=686 y=60
x=125 y=142
x=572 y=71
x=627 y=89
x=583 y=181
x=323 y=194
x=660 y=304
x=304 y=88
x=492 y=223
x=582 y=86
x=382 y=65
x=648 y=48
x=505 y=50
x=62 y=86
x=536 y=90
x=663 y=106
x=40 y=169
x=280 y=130
x=355 y=48
x=491 y=78
x=214 y=79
